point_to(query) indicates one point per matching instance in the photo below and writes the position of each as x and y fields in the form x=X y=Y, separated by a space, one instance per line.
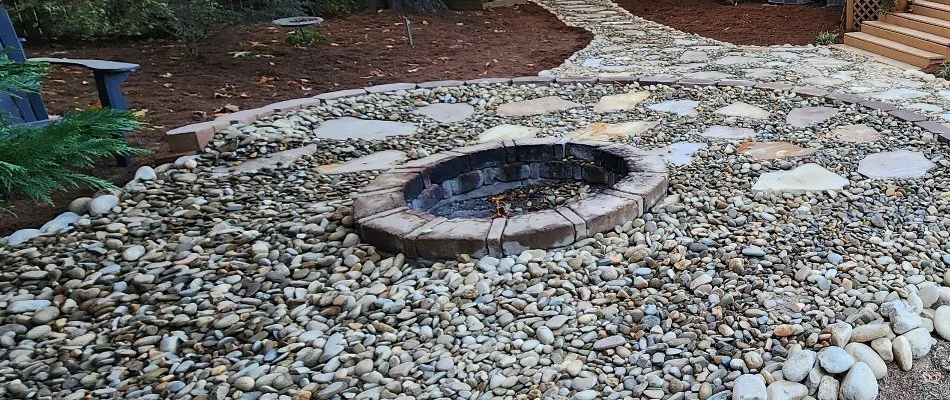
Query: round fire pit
x=454 y=202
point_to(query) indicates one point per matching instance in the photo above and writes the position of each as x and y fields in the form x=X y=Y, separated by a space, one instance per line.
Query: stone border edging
x=194 y=137
x=387 y=215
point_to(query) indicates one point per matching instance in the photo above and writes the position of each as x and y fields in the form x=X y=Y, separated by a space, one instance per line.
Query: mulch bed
x=251 y=66
x=746 y=23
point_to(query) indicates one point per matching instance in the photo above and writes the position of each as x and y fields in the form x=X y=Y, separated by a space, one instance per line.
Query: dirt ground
x=746 y=23
x=248 y=67
x=929 y=379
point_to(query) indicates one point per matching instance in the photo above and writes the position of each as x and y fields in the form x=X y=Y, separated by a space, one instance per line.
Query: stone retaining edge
x=194 y=137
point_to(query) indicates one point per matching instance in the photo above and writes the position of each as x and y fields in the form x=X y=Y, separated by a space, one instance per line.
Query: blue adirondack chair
x=28 y=108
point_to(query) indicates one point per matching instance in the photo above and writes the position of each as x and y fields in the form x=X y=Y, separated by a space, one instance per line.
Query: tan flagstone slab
x=602 y=131
x=806 y=178
x=774 y=150
x=368 y=129
x=620 y=102
x=507 y=132
x=377 y=161
x=859 y=133
x=538 y=106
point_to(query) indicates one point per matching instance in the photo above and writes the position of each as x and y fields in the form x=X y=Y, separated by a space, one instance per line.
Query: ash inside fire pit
x=542 y=195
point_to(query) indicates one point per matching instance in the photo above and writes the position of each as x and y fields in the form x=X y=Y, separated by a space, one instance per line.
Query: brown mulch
x=252 y=66
x=746 y=23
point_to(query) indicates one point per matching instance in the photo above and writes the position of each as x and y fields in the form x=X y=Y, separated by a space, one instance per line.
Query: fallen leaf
x=140 y=113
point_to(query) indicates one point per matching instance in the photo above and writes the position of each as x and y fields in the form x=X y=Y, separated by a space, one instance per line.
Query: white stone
x=620 y=102
x=749 y=387
x=367 y=129
x=506 y=132
x=903 y=354
x=745 y=110
x=774 y=150
x=23 y=235
x=862 y=353
x=133 y=253
x=859 y=384
x=900 y=164
x=807 y=116
x=693 y=56
x=538 y=106
x=61 y=223
x=759 y=73
x=859 y=133
x=808 y=177
x=728 y=132
x=447 y=112
x=102 y=204
x=920 y=342
x=942 y=322
x=798 y=364
x=835 y=360
x=827 y=388
x=382 y=160
x=145 y=173
x=685 y=108
x=884 y=348
x=840 y=333
x=785 y=390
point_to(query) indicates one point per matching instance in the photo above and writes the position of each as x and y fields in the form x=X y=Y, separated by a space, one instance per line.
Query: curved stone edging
x=388 y=215
x=194 y=137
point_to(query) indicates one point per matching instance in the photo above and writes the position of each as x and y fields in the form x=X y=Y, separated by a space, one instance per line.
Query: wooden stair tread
x=943 y=41
x=903 y=48
x=931 y=4
x=922 y=18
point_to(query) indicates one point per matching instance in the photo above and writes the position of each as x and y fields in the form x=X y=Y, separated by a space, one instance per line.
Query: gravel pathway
x=626 y=45
x=238 y=274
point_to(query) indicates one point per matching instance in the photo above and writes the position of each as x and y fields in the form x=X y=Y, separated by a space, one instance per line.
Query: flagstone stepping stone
x=900 y=164
x=620 y=102
x=679 y=153
x=685 y=42
x=685 y=108
x=377 y=161
x=368 y=129
x=693 y=56
x=538 y=106
x=746 y=110
x=728 y=132
x=605 y=132
x=785 y=55
x=932 y=108
x=507 y=132
x=844 y=75
x=592 y=62
x=774 y=150
x=447 y=112
x=859 y=133
x=806 y=178
x=714 y=75
x=900 y=94
x=807 y=116
x=945 y=94
x=822 y=81
x=272 y=160
x=736 y=60
x=827 y=62
x=759 y=73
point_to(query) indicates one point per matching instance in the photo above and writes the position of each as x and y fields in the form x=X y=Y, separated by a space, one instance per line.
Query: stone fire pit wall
x=392 y=211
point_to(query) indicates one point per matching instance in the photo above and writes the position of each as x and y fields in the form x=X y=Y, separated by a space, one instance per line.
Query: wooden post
x=849 y=15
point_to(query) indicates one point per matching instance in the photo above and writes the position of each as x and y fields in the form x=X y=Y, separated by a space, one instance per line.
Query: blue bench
x=28 y=108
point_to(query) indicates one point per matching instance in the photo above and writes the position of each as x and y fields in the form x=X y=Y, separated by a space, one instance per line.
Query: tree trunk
x=419 y=6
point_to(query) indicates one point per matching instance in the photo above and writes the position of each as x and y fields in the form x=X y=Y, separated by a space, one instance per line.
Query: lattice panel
x=862 y=10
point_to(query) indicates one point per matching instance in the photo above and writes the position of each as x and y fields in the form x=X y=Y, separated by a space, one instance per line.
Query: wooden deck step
x=931 y=9
x=921 y=23
x=891 y=49
x=911 y=37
